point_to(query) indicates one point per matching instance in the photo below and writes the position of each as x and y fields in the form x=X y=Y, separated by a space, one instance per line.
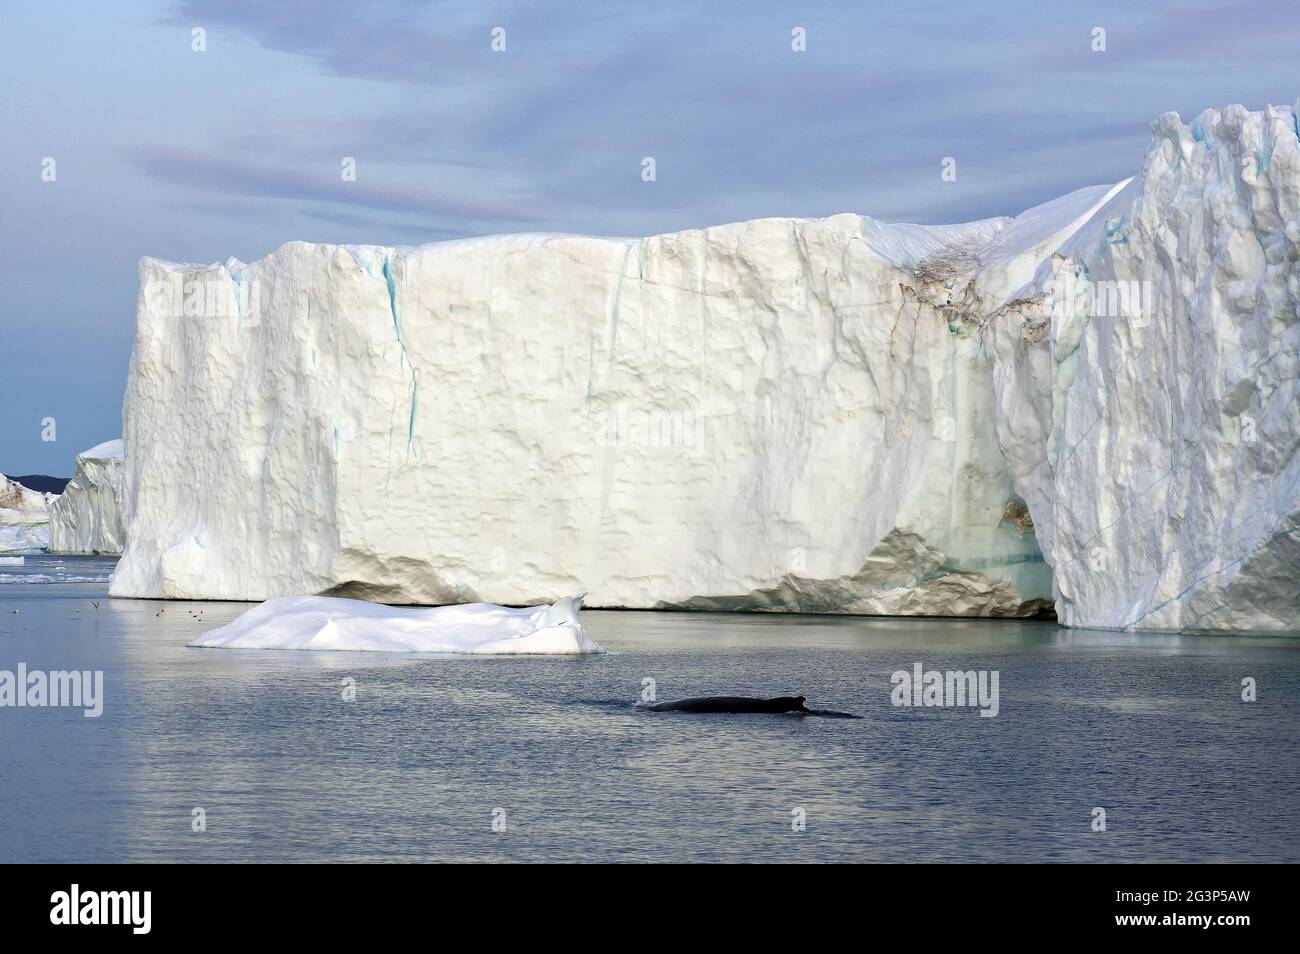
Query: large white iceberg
x=87 y=517
x=24 y=517
x=330 y=623
x=777 y=414
x=833 y=415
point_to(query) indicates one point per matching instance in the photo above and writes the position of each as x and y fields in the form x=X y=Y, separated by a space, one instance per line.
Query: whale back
x=732 y=704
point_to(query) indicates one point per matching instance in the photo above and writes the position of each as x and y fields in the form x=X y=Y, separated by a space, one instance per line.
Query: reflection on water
x=1150 y=728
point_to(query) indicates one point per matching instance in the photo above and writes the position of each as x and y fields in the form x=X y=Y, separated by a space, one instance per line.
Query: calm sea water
x=433 y=748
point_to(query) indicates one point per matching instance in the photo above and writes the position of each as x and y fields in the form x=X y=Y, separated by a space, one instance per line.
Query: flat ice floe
x=331 y=623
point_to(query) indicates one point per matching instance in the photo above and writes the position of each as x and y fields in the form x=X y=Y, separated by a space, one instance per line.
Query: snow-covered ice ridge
x=834 y=415
x=87 y=517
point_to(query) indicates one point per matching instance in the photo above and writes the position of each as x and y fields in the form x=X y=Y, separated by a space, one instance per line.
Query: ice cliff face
x=24 y=517
x=831 y=416
x=1147 y=387
x=88 y=517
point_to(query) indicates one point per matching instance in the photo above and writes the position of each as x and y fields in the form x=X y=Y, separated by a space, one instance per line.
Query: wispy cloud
x=219 y=174
x=740 y=124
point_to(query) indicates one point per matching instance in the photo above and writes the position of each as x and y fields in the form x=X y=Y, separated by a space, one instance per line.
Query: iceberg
x=331 y=623
x=1148 y=387
x=836 y=415
x=87 y=517
x=24 y=517
x=15 y=536
x=782 y=414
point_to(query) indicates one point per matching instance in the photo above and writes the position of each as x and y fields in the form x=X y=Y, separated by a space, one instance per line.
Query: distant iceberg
x=332 y=623
x=89 y=516
x=24 y=517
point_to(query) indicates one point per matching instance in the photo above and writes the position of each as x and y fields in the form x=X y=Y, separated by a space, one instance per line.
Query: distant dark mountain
x=41 y=483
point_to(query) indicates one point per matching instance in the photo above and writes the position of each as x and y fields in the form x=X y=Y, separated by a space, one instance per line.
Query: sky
x=164 y=150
